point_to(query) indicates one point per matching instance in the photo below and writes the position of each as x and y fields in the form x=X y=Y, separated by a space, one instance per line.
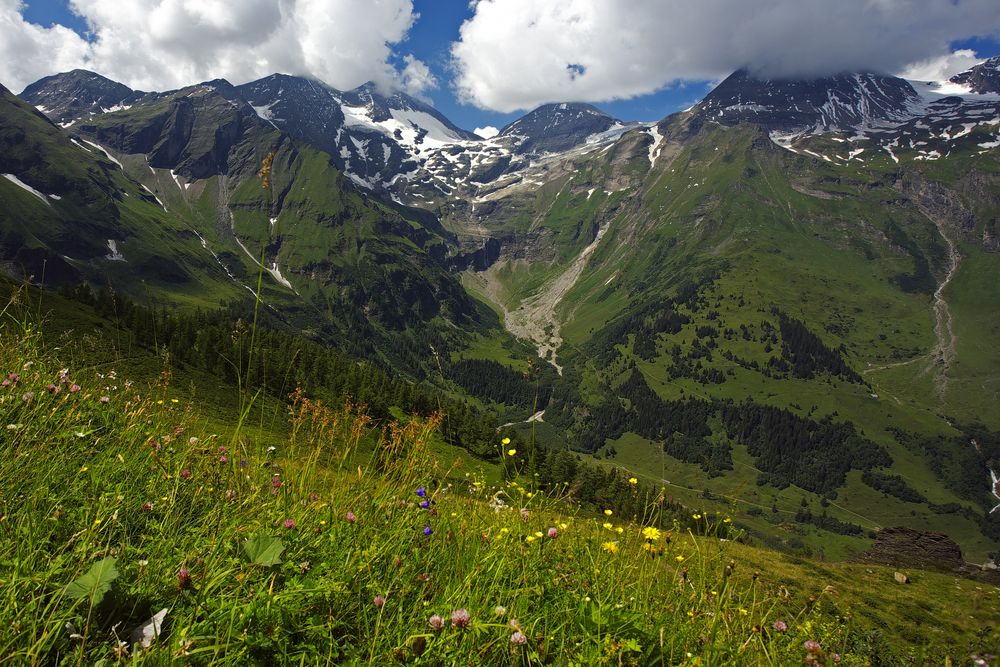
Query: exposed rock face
x=905 y=547
x=557 y=127
x=840 y=102
x=71 y=96
x=984 y=78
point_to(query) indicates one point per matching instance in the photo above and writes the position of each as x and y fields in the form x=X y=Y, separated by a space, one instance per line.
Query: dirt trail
x=535 y=319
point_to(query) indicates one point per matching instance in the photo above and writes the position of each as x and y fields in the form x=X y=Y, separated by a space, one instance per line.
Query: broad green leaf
x=264 y=550
x=95 y=583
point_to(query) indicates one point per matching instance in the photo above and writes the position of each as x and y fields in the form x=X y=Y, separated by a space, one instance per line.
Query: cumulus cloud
x=942 y=67
x=517 y=54
x=161 y=44
x=487 y=132
x=416 y=77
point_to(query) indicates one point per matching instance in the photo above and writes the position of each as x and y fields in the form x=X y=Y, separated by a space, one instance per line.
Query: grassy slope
x=575 y=598
x=813 y=239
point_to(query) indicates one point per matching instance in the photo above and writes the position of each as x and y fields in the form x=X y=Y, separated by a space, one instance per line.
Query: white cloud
x=161 y=44
x=941 y=68
x=416 y=77
x=517 y=54
x=487 y=132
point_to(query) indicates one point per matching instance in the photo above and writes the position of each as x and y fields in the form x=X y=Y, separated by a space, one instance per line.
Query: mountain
x=838 y=102
x=784 y=295
x=554 y=128
x=72 y=96
x=982 y=79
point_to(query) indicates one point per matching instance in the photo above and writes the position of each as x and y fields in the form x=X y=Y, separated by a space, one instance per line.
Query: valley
x=638 y=294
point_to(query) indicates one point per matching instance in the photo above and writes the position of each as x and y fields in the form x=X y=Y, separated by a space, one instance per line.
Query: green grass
x=143 y=478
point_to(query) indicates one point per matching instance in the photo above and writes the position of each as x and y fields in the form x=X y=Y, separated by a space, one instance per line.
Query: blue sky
x=430 y=39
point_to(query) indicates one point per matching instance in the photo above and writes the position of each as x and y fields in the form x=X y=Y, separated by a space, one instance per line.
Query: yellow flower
x=505 y=441
x=619 y=529
x=511 y=452
x=503 y=530
x=651 y=533
x=608 y=512
x=695 y=516
x=529 y=538
x=648 y=546
x=679 y=558
x=727 y=520
x=160 y=402
x=173 y=400
x=97 y=521
x=633 y=481
x=563 y=526
x=743 y=611
x=610 y=547
x=539 y=533
x=608 y=525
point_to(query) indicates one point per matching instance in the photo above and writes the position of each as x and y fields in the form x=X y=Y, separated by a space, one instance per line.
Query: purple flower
x=553 y=533
x=518 y=638
x=243 y=463
x=812 y=646
x=223 y=459
x=184 y=579
x=74 y=388
x=350 y=517
x=13 y=377
x=147 y=506
x=289 y=523
x=460 y=618
x=52 y=389
x=436 y=622
x=230 y=494
x=185 y=474
x=275 y=484
x=780 y=626
x=104 y=400
x=428 y=530
x=422 y=492
x=379 y=601
x=425 y=504
x=28 y=395
x=313 y=497
x=5 y=383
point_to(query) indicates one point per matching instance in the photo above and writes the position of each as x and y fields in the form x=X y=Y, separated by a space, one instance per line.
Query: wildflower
x=524 y=513
x=633 y=481
x=428 y=530
x=695 y=516
x=499 y=610
x=436 y=622
x=608 y=512
x=305 y=566
x=230 y=494
x=194 y=441
x=835 y=657
x=460 y=619
x=5 y=383
x=289 y=523
x=28 y=395
x=313 y=497
x=651 y=533
x=275 y=483
x=350 y=518
x=529 y=539
x=518 y=638
x=422 y=492
x=52 y=389
x=147 y=506
x=271 y=449
x=185 y=474
x=779 y=626
x=679 y=558
x=619 y=530
x=160 y=402
x=607 y=525
x=425 y=504
x=552 y=533
x=379 y=601
x=610 y=547
x=812 y=646
x=505 y=441
x=13 y=377
x=172 y=400
x=511 y=452
x=184 y=579
x=538 y=533
x=104 y=400
x=244 y=463
x=143 y=563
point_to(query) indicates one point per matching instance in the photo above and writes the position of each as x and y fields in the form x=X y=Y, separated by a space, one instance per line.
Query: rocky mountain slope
x=781 y=298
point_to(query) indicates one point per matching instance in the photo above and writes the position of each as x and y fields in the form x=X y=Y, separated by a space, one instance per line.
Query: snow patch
x=107 y=154
x=24 y=186
x=113 y=254
x=654 y=149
